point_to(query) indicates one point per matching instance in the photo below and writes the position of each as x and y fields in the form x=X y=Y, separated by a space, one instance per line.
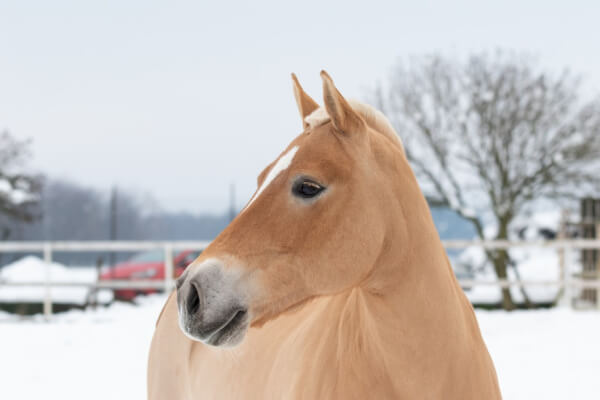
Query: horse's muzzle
x=212 y=308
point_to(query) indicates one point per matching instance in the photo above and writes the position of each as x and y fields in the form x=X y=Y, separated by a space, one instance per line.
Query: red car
x=149 y=265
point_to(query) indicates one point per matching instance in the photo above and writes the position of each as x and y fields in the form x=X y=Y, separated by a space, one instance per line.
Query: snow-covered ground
x=541 y=355
x=544 y=355
x=79 y=354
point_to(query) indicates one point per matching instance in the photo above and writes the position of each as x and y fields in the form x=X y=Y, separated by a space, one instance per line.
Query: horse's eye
x=306 y=189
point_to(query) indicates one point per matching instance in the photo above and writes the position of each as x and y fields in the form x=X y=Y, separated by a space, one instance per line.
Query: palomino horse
x=332 y=282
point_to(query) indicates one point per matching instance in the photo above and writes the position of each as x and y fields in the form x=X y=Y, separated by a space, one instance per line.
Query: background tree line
x=69 y=211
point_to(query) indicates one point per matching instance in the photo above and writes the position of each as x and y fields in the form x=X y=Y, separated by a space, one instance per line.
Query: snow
x=467 y=212
x=15 y=195
x=534 y=264
x=33 y=269
x=79 y=354
x=545 y=355
x=532 y=223
x=487 y=96
x=5 y=186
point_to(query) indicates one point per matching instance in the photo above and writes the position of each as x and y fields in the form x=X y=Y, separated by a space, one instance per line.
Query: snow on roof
x=33 y=269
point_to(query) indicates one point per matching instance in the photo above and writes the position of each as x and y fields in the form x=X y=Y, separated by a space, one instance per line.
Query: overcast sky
x=181 y=99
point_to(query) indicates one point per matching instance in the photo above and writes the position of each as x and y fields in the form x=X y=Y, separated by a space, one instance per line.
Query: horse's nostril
x=193 y=300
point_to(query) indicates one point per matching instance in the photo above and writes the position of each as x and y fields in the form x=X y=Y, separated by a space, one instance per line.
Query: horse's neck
x=335 y=338
x=372 y=337
x=413 y=319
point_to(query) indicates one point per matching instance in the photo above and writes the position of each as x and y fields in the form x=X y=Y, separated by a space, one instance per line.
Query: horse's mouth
x=230 y=333
x=212 y=308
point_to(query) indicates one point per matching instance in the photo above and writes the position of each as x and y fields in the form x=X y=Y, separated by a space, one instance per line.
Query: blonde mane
x=373 y=117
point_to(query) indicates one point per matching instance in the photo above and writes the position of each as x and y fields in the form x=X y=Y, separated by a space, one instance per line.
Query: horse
x=331 y=283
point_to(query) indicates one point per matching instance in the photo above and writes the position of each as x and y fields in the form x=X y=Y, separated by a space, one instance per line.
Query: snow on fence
x=566 y=281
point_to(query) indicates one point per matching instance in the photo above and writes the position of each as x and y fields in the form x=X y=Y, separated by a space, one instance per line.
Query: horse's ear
x=306 y=105
x=343 y=117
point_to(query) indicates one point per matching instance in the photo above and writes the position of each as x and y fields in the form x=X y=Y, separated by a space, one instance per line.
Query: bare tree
x=19 y=190
x=491 y=135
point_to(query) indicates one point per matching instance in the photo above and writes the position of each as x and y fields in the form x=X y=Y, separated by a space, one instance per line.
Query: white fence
x=566 y=281
x=48 y=248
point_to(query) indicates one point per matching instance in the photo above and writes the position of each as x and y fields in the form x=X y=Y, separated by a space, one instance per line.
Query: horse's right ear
x=343 y=117
x=306 y=105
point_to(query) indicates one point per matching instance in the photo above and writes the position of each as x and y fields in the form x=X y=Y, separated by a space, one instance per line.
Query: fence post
x=168 y=267
x=47 y=283
x=563 y=296
x=567 y=299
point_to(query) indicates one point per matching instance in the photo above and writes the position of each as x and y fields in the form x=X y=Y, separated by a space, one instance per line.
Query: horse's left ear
x=343 y=117
x=306 y=105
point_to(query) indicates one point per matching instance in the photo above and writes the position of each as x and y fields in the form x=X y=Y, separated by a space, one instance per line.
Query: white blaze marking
x=282 y=164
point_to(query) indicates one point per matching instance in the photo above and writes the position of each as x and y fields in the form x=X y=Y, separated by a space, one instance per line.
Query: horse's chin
x=230 y=336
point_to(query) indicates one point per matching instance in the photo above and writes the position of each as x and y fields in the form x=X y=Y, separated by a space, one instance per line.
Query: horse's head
x=316 y=225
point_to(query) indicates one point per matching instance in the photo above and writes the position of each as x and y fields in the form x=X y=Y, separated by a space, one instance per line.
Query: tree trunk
x=500 y=261
x=526 y=299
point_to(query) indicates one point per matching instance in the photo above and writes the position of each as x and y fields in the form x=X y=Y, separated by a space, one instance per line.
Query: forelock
x=373 y=117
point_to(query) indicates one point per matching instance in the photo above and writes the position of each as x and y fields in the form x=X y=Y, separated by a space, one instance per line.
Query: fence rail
x=77 y=246
x=566 y=281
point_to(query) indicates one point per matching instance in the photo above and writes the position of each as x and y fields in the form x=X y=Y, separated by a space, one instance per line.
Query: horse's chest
x=259 y=371
x=280 y=370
